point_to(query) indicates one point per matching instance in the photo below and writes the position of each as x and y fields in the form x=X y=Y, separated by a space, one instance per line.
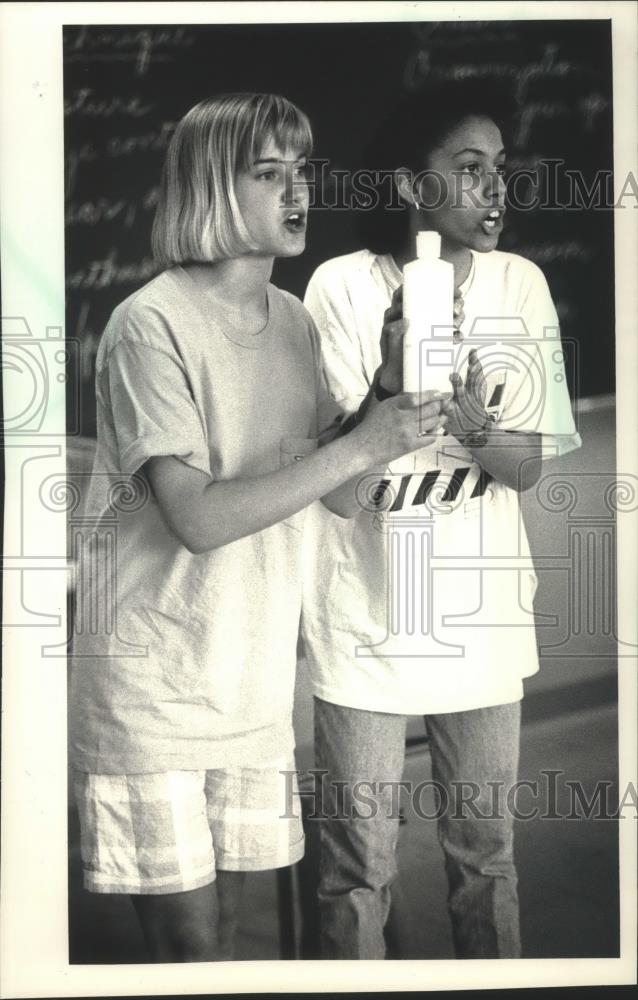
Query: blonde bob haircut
x=197 y=217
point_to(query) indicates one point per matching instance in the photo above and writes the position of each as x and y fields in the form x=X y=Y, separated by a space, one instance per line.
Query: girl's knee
x=180 y=927
x=195 y=946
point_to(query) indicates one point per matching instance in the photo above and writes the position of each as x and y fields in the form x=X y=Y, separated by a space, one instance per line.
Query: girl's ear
x=403 y=184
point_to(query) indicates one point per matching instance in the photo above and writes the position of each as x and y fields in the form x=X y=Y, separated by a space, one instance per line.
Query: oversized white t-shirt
x=422 y=603
x=185 y=661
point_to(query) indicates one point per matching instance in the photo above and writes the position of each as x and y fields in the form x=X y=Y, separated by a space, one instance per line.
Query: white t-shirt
x=422 y=603
x=185 y=661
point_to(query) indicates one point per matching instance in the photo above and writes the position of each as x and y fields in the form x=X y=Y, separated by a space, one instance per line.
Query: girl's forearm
x=345 y=500
x=206 y=514
x=512 y=458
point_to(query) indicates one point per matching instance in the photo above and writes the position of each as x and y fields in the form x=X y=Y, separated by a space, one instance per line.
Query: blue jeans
x=358 y=862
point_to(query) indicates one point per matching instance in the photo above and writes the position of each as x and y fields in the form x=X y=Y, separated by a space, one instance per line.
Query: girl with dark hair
x=422 y=603
x=407 y=137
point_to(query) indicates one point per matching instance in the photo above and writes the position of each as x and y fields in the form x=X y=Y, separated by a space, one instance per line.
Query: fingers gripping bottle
x=428 y=307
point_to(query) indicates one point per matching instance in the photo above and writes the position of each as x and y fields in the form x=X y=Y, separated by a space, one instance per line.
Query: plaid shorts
x=169 y=832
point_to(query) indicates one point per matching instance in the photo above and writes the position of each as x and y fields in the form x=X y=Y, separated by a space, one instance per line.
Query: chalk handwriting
x=422 y=66
x=83 y=102
x=150 y=142
x=137 y=45
x=109 y=271
x=91 y=213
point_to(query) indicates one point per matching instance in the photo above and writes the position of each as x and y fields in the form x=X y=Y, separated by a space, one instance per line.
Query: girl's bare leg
x=194 y=926
x=229 y=890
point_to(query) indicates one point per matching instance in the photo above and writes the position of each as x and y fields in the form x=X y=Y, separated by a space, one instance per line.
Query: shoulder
x=511 y=268
x=292 y=315
x=147 y=317
x=287 y=301
x=338 y=284
x=291 y=309
x=343 y=271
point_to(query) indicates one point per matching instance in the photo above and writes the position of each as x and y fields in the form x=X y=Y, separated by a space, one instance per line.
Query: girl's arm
x=205 y=514
x=511 y=457
x=345 y=500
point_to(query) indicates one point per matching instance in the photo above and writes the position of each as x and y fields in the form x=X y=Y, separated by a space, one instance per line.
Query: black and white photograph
x=319 y=564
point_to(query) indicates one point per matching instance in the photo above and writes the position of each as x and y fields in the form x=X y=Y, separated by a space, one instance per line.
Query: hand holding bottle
x=392 y=334
x=400 y=425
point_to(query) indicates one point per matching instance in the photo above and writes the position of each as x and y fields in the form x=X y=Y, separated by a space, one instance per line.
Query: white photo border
x=34 y=925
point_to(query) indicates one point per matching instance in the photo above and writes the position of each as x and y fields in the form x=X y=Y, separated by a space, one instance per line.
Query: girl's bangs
x=294 y=133
x=278 y=120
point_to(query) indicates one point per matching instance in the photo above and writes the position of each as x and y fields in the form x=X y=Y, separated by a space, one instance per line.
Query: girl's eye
x=501 y=170
x=267 y=175
x=471 y=168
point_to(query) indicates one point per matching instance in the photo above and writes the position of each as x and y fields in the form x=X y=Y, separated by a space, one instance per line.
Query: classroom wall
x=126 y=87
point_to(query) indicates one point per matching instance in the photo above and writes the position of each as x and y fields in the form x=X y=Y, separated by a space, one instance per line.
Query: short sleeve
x=329 y=413
x=328 y=303
x=536 y=396
x=153 y=409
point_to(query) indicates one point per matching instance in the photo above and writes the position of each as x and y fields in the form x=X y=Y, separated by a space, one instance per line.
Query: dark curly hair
x=411 y=131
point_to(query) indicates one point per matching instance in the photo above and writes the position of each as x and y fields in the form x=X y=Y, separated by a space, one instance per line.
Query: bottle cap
x=428 y=244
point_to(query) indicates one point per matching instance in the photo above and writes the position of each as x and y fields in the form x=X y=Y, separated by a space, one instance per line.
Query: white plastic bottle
x=428 y=306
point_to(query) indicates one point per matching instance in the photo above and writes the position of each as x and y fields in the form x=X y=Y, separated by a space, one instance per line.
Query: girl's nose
x=495 y=184
x=295 y=191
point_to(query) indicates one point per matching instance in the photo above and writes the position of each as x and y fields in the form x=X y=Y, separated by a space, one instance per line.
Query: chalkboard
x=126 y=87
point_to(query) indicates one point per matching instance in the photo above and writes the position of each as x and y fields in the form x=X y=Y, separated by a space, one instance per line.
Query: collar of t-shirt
x=393 y=276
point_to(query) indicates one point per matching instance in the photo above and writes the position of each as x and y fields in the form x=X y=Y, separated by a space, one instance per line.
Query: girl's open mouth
x=295 y=222
x=493 y=223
